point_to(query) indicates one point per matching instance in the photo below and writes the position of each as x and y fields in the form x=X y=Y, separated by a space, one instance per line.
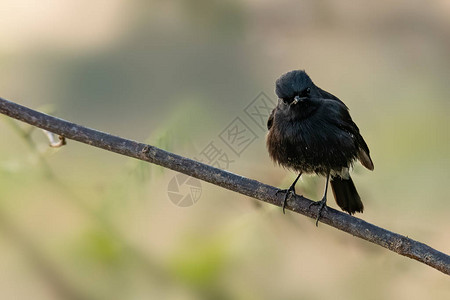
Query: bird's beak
x=296 y=100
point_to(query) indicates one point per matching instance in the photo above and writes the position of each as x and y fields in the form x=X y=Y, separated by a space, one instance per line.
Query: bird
x=310 y=131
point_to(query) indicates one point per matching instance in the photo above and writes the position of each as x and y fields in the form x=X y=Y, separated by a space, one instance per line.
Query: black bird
x=311 y=131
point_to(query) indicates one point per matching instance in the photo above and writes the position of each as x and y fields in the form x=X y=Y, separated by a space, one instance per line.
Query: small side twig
x=249 y=187
x=55 y=143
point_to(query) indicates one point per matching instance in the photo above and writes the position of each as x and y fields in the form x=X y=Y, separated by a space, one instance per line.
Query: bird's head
x=293 y=86
x=295 y=90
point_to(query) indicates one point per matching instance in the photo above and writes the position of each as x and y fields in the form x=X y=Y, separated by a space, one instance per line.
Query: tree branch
x=249 y=187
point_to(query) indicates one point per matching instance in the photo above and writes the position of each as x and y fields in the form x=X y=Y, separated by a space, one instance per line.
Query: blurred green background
x=82 y=223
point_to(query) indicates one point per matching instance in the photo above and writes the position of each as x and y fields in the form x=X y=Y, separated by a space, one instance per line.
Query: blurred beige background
x=81 y=223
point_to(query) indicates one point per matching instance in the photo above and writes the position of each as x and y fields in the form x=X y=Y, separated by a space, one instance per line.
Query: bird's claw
x=289 y=192
x=322 y=205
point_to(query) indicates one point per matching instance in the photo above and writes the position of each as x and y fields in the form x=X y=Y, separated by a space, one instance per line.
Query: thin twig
x=54 y=143
x=249 y=187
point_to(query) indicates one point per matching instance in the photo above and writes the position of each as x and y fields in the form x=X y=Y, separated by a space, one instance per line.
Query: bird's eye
x=308 y=91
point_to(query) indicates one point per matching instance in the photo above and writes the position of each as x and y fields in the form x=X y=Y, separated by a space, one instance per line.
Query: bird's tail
x=346 y=196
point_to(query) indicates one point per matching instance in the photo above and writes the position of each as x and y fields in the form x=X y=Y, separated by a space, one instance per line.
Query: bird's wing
x=346 y=123
x=364 y=152
x=327 y=95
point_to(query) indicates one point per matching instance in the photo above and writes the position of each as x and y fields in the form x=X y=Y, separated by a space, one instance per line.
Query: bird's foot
x=322 y=206
x=289 y=193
